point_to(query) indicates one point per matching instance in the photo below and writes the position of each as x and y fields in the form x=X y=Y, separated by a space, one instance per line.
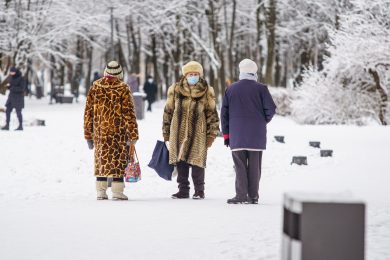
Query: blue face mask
x=192 y=80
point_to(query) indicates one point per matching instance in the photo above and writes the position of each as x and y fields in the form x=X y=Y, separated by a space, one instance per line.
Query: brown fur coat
x=190 y=118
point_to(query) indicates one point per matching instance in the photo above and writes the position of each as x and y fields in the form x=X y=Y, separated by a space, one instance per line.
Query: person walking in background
x=96 y=76
x=110 y=127
x=247 y=108
x=190 y=124
x=17 y=88
x=150 y=89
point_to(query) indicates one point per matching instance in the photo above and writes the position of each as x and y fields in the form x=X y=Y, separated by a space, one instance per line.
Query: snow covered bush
x=282 y=98
x=354 y=85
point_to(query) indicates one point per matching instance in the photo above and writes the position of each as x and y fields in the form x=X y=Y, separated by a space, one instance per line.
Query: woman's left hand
x=210 y=141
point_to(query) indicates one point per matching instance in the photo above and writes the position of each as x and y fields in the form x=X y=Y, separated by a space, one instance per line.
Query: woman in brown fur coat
x=110 y=126
x=190 y=124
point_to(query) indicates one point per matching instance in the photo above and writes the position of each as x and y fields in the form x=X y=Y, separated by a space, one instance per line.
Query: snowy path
x=48 y=208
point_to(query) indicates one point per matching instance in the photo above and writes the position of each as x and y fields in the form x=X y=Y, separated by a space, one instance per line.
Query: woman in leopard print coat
x=110 y=126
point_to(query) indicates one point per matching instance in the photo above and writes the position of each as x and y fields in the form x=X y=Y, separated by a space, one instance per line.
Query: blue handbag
x=160 y=161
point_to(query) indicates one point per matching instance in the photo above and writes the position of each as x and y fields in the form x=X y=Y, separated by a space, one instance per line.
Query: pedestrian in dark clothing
x=247 y=108
x=96 y=76
x=150 y=89
x=17 y=88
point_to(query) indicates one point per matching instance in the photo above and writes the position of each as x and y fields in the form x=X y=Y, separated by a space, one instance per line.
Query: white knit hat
x=248 y=66
x=113 y=69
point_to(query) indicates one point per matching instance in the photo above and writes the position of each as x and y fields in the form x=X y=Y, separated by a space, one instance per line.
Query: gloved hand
x=209 y=141
x=226 y=139
x=90 y=144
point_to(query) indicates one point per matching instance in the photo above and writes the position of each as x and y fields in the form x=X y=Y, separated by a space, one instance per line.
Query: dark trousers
x=183 y=171
x=248 y=173
x=150 y=102
x=8 y=115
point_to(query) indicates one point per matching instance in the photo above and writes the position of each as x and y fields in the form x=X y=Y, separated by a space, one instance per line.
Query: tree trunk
x=89 y=52
x=75 y=84
x=278 y=67
x=52 y=61
x=259 y=32
x=121 y=56
x=214 y=28
x=129 y=56
x=177 y=53
x=155 y=67
x=383 y=95
x=231 y=40
x=166 y=72
x=271 y=24
x=304 y=63
x=62 y=75
x=136 y=54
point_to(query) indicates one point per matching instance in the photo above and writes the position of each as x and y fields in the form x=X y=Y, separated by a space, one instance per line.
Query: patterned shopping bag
x=133 y=169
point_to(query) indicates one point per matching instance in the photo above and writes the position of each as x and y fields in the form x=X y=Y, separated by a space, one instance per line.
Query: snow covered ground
x=48 y=208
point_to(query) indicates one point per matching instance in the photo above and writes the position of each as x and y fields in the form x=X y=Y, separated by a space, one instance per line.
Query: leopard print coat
x=109 y=120
x=190 y=118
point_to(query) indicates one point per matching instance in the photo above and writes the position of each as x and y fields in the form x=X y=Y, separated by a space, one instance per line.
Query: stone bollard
x=319 y=226
x=139 y=103
x=315 y=144
x=326 y=153
x=64 y=99
x=300 y=160
x=279 y=138
x=40 y=122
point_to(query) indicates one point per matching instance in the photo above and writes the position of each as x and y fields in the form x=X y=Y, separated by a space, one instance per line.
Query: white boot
x=101 y=187
x=117 y=191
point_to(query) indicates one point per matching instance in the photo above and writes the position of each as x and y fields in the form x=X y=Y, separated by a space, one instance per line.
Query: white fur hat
x=248 y=66
x=192 y=66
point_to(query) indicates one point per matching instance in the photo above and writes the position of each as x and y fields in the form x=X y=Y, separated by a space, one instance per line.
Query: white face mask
x=150 y=80
x=192 y=80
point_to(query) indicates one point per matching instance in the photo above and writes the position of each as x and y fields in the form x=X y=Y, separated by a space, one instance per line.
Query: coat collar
x=109 y=82
x=196 y=91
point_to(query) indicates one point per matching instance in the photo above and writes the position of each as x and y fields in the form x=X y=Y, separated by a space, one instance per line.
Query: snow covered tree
x=70 y=38
x=354 y=85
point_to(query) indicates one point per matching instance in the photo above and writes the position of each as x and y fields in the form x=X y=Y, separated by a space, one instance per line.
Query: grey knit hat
x=113 y=69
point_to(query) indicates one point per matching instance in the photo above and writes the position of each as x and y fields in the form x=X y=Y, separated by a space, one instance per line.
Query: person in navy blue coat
x=17 y=88
x=247 y=108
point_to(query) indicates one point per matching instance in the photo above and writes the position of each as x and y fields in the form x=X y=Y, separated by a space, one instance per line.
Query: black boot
x=253 y=201
x=237 y=200
x=181 y=195
x=6 y=127
x=20 y=128
x=198 y=195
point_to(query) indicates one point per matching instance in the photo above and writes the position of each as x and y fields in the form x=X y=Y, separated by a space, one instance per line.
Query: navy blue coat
x=17 y=89
x=246 y=109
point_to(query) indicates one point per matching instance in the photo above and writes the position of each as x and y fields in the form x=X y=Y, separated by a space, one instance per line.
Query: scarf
x=249 y=76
